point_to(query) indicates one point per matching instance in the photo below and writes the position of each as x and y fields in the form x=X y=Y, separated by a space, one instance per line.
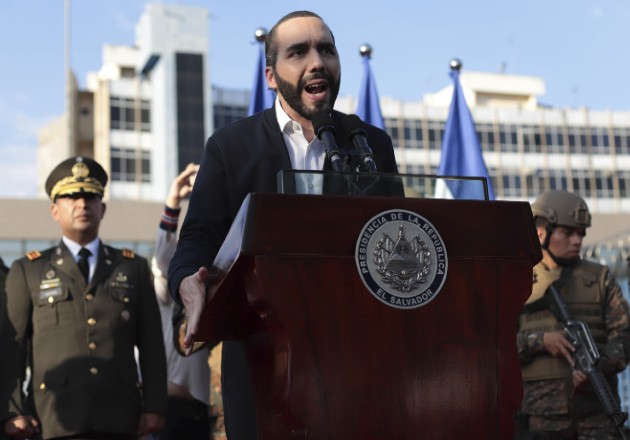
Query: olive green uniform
x=79 y=340
x=594 y=297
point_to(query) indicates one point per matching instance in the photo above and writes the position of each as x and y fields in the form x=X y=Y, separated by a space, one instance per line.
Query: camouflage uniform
x=554 y=405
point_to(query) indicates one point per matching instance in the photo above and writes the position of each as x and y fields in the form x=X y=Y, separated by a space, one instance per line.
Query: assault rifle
x=585 y=357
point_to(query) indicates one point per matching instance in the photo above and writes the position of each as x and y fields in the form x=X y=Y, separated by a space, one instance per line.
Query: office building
x=148 y=109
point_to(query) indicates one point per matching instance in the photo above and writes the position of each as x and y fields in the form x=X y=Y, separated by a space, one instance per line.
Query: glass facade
x=225 y=114
x=124 y=112
x=191 y=136
x=12 y=250
x=130 y=165
x=528 y=158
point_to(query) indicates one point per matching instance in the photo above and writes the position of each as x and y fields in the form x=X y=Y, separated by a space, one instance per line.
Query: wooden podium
x=330 y=361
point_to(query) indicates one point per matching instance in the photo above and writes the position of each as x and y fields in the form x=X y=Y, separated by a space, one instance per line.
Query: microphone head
x=352 y=125
x=322 y=121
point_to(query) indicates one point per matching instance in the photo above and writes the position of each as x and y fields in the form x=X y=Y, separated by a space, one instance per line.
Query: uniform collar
x=75 y=247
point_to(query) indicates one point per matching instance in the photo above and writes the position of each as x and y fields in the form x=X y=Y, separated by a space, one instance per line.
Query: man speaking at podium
x=303 y=68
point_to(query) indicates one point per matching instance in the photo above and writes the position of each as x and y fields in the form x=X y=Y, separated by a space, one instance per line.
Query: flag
x=262 y=97
x=369 y=109
x=461 y=152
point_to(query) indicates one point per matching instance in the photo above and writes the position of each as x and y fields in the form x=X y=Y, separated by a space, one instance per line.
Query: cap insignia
x=80 y=170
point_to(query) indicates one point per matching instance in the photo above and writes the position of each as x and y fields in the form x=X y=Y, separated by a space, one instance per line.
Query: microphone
x=325 y=130
x=355 y=132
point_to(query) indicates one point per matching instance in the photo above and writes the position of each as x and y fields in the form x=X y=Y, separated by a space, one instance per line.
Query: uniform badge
x=401 y=259
x=128 y=253
x=50 y=295
x=49 y=283
x=120 y=282
x=50 y=274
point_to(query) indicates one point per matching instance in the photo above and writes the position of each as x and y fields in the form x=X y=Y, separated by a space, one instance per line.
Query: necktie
x=83 y=264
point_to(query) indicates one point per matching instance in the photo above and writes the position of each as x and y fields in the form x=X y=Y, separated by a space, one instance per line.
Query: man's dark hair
x=271 y=48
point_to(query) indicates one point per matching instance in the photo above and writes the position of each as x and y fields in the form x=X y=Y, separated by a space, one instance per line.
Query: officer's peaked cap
x=76 y=175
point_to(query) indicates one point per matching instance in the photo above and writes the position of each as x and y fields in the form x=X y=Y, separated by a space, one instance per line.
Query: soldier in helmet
x=558 y=400
x=74 y=314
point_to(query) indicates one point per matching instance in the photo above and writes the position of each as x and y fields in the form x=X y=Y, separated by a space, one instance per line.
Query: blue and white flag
x=368 y=108
x=461 y=152
x=262 y=97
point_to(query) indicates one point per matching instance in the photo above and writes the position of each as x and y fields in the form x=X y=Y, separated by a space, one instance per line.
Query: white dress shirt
x=75 y=247
x=303 y=155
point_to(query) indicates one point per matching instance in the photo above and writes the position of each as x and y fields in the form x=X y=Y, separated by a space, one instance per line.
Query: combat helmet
x=562 y=208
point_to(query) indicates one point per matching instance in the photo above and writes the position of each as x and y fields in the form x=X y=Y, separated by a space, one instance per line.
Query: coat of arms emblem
x=401 y=259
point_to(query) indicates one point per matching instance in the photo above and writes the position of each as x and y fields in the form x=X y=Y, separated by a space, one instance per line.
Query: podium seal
x=401 y=259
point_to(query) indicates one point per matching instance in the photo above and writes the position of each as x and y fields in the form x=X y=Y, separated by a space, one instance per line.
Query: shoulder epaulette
x=128 y=253
x=33 y=255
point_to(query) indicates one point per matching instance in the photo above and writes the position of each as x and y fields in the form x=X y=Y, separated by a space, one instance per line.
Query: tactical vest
x=584 y=294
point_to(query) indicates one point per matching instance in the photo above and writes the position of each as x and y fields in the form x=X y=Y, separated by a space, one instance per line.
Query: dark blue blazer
x=241 y=158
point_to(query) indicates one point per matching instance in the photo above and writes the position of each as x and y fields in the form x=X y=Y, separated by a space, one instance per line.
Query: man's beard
x=293 y=94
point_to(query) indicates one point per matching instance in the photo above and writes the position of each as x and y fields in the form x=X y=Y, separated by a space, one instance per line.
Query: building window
x=191 y=130
x=511 y=185
x=436 y=132
x=600 y=140
x=553 y=137
x=622 y=141
x=557 y=179
x=604 y=184
x=577 y=140
x=123 y=114
x=124 y=161
x=624 y=183
x=413 y=133
x=127 y=72
x=11 y=250
x=581 y=183
x=508 y=138
x=535 y=183
x=486 y=136
x=226 y=114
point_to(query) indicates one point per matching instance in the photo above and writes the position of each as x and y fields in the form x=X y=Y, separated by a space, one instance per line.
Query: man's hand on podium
x=192 y=292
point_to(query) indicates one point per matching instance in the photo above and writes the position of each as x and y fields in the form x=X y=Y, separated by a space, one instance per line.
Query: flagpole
x=69 y=86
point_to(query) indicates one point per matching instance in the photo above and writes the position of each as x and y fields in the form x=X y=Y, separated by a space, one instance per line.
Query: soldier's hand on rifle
x=557 y=344
x=579 y=378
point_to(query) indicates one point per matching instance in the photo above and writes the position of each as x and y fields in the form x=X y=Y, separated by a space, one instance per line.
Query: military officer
x=558 y=400
x=74 y=314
